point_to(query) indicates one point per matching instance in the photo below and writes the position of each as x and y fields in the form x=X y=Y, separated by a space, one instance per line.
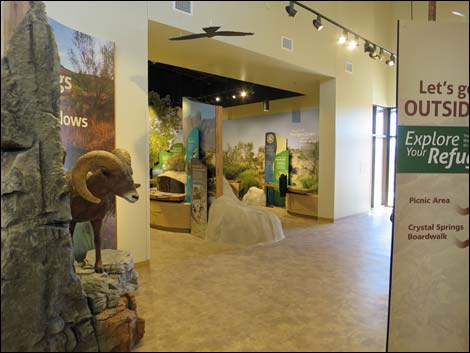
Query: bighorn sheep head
x=115 y=166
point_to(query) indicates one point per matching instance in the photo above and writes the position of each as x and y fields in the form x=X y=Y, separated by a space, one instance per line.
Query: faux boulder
x=255 y=197
x=43 y=304
x=110 y=297
x=233 y=222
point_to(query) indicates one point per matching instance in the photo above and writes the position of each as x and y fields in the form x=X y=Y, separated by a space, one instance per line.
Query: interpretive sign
x=429 y=293
x=199 y=204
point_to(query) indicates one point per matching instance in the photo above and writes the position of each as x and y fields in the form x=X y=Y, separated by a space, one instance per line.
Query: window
x=384 y=130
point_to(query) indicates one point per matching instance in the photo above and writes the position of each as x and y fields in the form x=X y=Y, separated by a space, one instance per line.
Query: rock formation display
x=255 y=197
x=233 y=222
x=111 y=300
x=43 y=304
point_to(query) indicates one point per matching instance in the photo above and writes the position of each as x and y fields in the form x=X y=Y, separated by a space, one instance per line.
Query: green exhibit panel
x=276 y=164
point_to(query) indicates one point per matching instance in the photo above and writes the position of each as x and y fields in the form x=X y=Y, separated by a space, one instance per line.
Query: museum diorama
x=259 y=166
x=51 y=301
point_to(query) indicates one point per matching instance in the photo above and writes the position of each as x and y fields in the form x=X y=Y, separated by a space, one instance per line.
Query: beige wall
x=125 y=23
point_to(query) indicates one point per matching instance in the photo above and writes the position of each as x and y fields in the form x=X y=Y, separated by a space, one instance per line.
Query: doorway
x=384 y=129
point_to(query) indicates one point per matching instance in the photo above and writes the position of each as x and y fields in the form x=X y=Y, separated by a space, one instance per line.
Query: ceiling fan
x=212 y=31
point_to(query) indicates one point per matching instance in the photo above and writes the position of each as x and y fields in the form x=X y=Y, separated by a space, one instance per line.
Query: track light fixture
x=290 y=9
x=317 y=23
x=343 y=38
x=375 y=52
x=381 y=54
x=391 y=61
x=353 y=43
x=369 y=47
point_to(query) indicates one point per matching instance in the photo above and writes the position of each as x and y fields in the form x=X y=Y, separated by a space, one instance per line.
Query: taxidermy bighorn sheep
x=94 y=180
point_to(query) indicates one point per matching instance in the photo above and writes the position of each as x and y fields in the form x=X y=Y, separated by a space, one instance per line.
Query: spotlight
x=217 y=99
x=243 y=94
x=234 y=97
x=343 y=38
x=290 y=9
x=353 y=43
x=369 y=47
x=317 y=23
x=381 y=55
x=391 y=61
x=377 y=54
x=266 y=105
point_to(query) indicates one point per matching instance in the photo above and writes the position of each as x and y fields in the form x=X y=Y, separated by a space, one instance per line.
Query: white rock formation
x=255 y=197
x=233 y=222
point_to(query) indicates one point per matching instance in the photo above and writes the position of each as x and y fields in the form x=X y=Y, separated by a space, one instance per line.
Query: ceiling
x=215 y=57
x=204 y=87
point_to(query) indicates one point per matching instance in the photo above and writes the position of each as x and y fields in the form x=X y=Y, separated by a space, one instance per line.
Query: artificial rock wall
x=43 y=305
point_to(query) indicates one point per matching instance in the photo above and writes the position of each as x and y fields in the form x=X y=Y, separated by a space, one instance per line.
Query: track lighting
x=375 y=52
x=317 y=23
x=391 y=60
x=266 y=105
x=343 y=38
x=353 y=43
x=290 y=9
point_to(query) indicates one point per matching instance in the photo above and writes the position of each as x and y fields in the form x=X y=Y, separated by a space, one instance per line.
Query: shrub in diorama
x=175 y=163
x=311 y=183
x=165 y=124
x=247 y=179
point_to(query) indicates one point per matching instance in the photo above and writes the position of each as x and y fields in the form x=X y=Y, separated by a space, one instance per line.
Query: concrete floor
x=323 y=288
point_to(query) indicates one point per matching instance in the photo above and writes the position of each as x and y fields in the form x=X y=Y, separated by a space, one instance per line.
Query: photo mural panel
x=244 y=147
x=201 y=116
x=87 y=113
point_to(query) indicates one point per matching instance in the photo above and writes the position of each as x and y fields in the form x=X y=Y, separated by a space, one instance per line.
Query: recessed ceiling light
x=243 y=94
x=234 y=97
x=217 y=99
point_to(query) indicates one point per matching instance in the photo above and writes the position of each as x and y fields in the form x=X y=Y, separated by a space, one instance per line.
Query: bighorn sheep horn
x=90 y=162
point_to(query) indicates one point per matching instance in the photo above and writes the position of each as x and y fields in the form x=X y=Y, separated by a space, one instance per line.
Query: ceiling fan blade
x=190 y=36
x=233 y=33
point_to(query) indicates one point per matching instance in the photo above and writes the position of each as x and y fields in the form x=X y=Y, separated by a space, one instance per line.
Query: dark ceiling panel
x=179 y=82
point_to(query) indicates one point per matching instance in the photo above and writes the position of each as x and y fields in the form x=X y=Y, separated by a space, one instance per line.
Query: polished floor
x=323 y=288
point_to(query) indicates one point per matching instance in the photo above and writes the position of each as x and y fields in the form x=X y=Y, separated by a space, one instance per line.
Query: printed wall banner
x=429 y=289
x=86 y=109
x=244 y=148
x=202 y=116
